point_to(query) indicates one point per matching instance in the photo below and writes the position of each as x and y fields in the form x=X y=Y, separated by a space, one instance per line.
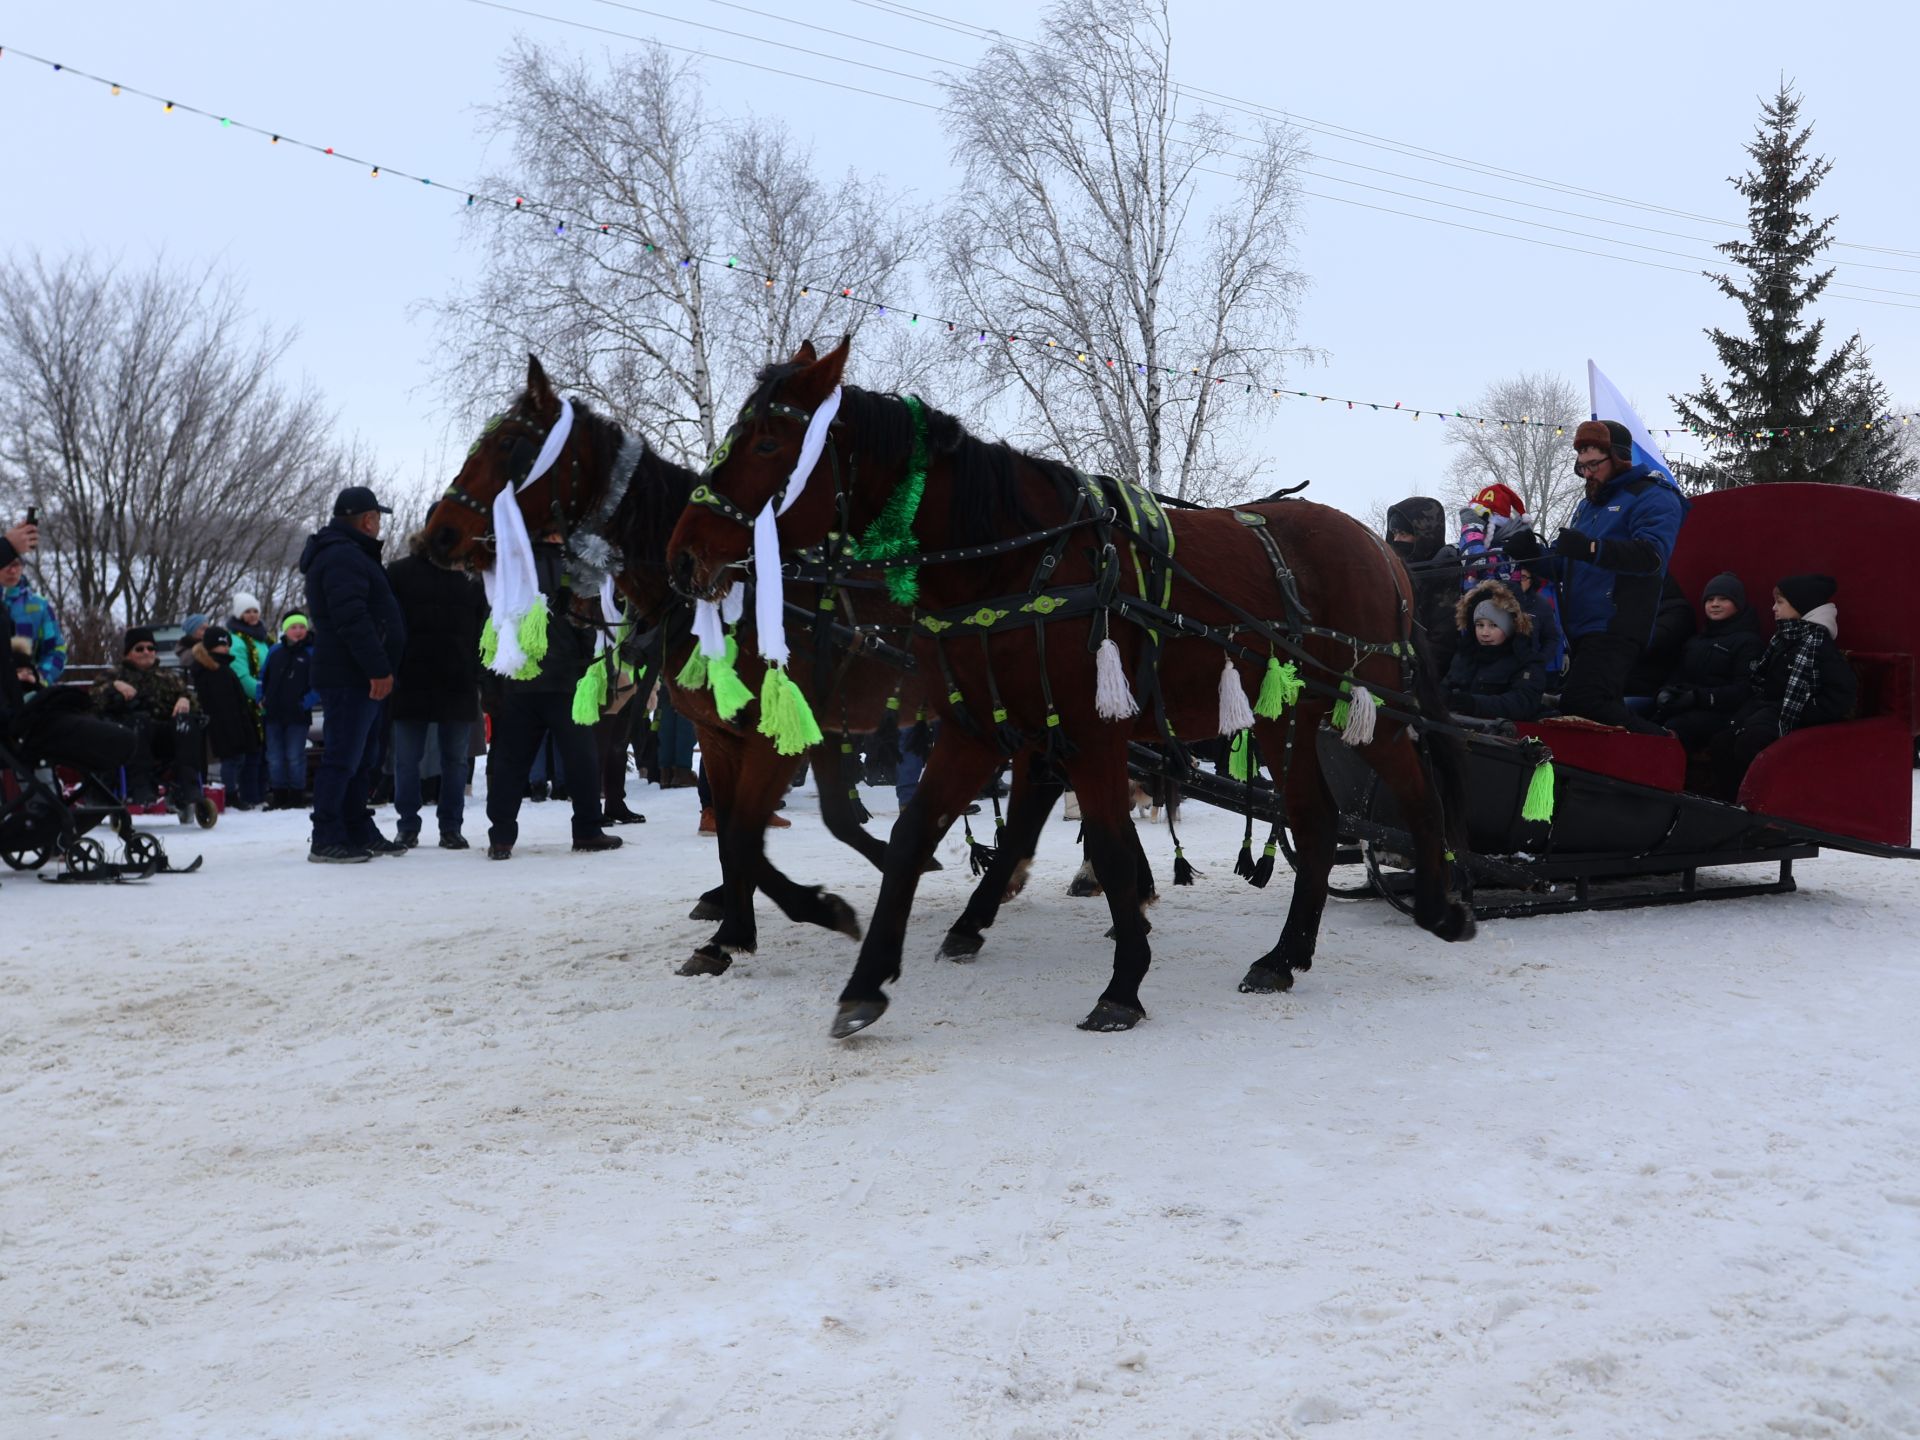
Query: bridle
x=704 y=495
x=521 y=454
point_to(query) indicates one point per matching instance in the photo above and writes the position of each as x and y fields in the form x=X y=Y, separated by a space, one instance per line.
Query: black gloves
x=1576 y=546
x=1673 y=699
x=1522 y=544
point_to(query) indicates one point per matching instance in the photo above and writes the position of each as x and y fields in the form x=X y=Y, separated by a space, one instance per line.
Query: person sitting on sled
x=1801 y=679
x=1714 y=676
x=1496 y=673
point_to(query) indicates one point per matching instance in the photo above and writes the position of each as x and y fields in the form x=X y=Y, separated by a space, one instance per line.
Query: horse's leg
x=1099 y=778
x=747 y=785
x=1311 y=817
x=1028 y=806
x=958 y=767
x=1401 y=767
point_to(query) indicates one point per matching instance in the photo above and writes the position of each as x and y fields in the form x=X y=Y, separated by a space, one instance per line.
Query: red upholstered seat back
x=1864 y=539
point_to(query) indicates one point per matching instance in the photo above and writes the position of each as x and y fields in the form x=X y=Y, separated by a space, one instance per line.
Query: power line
x=1334 y=130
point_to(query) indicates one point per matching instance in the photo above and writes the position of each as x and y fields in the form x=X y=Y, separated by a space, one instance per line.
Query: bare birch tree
x=1102 y=211
x=141 y=413
x=1531 y=458
x=653 y=336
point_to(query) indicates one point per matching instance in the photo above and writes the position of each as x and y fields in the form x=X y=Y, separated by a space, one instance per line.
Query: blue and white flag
x=1609 y=404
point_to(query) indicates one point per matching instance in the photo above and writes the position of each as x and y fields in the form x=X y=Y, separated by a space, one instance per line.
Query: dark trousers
x=612 y=737
x=169 y=743
x=410 y=739
x=521 y=721
x=1597 y=670
x=351 y=730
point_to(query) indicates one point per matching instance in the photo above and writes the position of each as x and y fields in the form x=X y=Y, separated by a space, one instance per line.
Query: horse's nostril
x=444 y=539
x=683 y=568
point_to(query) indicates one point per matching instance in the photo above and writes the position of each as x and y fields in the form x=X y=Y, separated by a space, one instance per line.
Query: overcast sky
x=1646 y=101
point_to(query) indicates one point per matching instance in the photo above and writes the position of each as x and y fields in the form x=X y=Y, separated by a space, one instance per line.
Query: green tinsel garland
x=1279 y=688
x=891 y=533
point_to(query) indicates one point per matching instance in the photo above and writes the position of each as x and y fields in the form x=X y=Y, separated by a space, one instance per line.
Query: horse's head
x=753 y=467
x=459 y=529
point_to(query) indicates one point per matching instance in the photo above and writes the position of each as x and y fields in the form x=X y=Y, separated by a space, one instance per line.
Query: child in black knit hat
x=1800 y=679
x=1714 y=677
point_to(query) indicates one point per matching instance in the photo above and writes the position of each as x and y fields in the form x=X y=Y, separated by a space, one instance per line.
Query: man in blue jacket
x=358 y=638
x=1609 y=563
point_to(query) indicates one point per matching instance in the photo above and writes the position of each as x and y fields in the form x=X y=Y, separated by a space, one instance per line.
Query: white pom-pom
x=1235 y=713
x=1112 y=695
x=1360 y=717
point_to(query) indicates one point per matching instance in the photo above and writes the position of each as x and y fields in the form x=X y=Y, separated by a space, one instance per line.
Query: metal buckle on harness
x=1106 y=577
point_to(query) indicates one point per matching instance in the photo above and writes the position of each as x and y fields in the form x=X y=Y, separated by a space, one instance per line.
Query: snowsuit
x=1495 y=682
x=33 y=619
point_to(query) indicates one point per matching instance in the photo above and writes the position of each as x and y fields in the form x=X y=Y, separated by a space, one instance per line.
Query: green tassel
x=1240 y=756
x=1342 y=705
x=785 y=717
x=693 y=674
x=533 y=639
x=590 y=693
x=489 y=643
x=730 y=693
x=1279 y=688
x=1539 y=802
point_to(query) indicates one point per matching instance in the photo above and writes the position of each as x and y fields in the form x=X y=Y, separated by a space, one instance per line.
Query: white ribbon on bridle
x=769 y=591
x=512 y=583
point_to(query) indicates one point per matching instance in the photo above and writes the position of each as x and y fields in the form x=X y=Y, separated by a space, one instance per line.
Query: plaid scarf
x=1805 y=638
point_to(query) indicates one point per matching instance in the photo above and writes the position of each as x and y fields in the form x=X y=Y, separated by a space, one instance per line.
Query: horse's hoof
x=962 y=945
x=854 y=1016
x=1109 y=1016
x=707 y=960
x=1456 y=924
x=933 y=864
x=1261 y=981
x=840 y=917
x=705 y=909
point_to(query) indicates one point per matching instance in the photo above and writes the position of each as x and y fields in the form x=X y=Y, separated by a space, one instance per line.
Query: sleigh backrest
x=1865 y=539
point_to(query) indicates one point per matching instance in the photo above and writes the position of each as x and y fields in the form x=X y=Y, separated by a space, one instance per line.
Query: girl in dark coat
x=231 y=732
x=286 y=704
x=1802 y=678
x=1713 y=679
x=1496 y=672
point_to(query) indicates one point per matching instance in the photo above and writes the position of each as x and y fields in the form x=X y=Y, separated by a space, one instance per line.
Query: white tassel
x=1360 y=717
x=1235 y=713
x=1112 y=695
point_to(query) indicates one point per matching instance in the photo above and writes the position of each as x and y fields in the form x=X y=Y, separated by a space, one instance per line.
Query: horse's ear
x=805 y=355
x=539 y=388
x=816 y=382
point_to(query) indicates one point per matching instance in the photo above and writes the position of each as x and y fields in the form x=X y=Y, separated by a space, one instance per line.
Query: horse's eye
x=766 y=447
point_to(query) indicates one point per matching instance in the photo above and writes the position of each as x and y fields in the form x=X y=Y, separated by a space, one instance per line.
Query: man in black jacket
x=525 y=712
x=359 y=636
x=437 y=687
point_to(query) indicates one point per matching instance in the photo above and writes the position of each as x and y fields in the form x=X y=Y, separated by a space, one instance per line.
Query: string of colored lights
x=1080 y=356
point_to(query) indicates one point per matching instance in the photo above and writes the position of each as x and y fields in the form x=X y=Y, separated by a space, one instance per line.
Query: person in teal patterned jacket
x=31 y=617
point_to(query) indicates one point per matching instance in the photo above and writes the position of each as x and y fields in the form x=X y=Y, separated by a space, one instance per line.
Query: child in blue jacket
x=286 y=708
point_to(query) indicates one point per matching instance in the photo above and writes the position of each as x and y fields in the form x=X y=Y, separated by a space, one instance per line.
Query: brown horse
x=608 y=485
x=995 y=590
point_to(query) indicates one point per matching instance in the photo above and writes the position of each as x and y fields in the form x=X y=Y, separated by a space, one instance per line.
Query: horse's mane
x=643 y=521
x=987 y=501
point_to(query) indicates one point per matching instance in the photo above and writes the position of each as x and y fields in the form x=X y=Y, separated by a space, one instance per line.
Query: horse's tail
x=1441 y=744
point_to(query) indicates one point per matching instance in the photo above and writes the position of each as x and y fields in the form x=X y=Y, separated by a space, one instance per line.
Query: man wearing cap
x=358 y=638
x=1609 y=564
x=158 y=706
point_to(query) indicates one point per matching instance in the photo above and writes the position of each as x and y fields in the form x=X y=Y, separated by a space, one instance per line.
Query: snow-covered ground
x=433 y=1147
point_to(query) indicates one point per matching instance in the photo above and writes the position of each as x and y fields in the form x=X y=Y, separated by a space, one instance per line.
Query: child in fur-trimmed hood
x=1496 y=673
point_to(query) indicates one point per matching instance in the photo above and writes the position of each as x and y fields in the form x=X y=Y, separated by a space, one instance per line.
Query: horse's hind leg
x=1310 y=816
x=1400 y=765
x=1032 y=800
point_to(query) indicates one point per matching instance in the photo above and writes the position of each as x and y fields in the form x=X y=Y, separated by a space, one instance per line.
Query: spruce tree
x=1777 y=383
